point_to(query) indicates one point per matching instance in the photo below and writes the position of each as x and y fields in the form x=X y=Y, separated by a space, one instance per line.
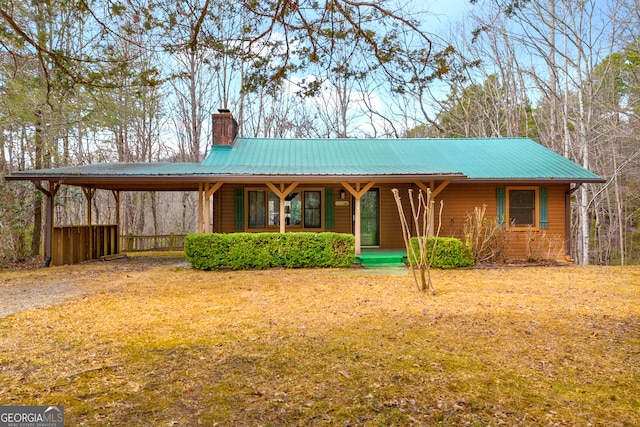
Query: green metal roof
x=255 y=159
x=480 y=158
x=123 y=169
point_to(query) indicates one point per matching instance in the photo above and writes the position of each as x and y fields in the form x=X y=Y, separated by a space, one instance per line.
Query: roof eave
x=75 y=179
x=190 y=182
x=529 y=181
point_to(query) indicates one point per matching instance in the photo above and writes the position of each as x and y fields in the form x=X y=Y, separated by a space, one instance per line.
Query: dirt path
x=42 y=287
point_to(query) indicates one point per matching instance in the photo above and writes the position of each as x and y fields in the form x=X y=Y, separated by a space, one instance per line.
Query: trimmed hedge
x=450 y=252
x=240 y=251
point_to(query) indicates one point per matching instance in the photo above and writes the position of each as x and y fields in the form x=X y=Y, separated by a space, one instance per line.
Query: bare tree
x=422 y=220
x=550 y=50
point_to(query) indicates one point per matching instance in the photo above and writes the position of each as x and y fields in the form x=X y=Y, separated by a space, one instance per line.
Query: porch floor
x=371 y=257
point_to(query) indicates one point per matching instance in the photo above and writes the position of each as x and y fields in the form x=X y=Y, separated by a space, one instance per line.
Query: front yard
x=146 y=343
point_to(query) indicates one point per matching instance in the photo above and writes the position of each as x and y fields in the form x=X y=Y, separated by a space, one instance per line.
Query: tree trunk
x=619 y=207
x=38 y=139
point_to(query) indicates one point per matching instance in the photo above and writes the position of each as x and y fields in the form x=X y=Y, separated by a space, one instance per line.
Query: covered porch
x=63 y=246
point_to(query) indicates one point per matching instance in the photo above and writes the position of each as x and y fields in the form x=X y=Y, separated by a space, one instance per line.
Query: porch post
x=199 y=207
x=432 y=186
x=282 y=193
x=282 y=213
x=53 y=189
x=209 y=190
x=207 y=209
x=88 y=194
x=357 y=194
x=357 y=223
x=49 y=220
x=116 y=195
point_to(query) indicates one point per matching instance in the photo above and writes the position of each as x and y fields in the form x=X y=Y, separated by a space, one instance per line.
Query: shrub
x=486 y=237
x=449 y=253
x=240 y=251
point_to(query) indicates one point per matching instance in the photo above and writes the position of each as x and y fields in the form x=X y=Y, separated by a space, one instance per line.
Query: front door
x=370 y=218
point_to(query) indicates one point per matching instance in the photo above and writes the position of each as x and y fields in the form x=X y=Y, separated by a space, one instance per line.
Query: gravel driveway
x=42 y=287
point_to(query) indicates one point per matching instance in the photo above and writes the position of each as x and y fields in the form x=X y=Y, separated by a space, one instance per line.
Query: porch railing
x=159 y=242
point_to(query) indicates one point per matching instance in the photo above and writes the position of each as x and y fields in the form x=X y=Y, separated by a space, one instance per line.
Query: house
x=344 y=185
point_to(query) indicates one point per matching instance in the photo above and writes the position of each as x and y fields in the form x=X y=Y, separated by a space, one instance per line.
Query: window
x=274 y=209
x=293 y=209
x=312 y=209
x=257 y=209
x=264 y=209
x=522 y=206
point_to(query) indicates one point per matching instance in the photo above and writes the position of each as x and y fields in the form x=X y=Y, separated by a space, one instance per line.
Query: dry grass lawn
x=146 y=343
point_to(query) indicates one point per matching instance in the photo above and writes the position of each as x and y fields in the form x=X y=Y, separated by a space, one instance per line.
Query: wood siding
x=459 y=202
x=390 y=225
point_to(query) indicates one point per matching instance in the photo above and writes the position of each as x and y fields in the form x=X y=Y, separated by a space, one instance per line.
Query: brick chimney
x=224 y=127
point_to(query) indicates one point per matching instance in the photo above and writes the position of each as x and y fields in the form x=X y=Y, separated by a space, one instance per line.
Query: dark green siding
x=501 y=206
x=544 y=203
x=239 y=209
x=328 y=208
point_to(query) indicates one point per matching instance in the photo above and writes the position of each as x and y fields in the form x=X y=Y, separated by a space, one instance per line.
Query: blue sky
x=445 y=12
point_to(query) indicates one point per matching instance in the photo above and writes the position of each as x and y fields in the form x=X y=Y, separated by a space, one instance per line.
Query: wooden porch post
x=49 y=221
x=432 y=186
x=88 y=194
x=209 y=190
x=207 y=209
x=200 y=207
x=282 y=194
x=53 y=189
x=357 y=193
x=357 y=225
x=116 y=196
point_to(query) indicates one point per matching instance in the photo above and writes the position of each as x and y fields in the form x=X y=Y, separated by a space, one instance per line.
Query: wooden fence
x=164 y=242
x=75 y=244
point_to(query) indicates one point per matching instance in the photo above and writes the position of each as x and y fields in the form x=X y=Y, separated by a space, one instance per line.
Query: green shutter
x=501 y=206
x=544 y=203
x=328 y=208
x=240 y=209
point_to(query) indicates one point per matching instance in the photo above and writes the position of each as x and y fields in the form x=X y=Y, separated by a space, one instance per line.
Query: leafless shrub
x=423 y=216
x=543 y=247
x=486 y=237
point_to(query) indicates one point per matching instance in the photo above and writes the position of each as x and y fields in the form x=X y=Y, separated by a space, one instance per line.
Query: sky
x=440 y=17
x=445 y=12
